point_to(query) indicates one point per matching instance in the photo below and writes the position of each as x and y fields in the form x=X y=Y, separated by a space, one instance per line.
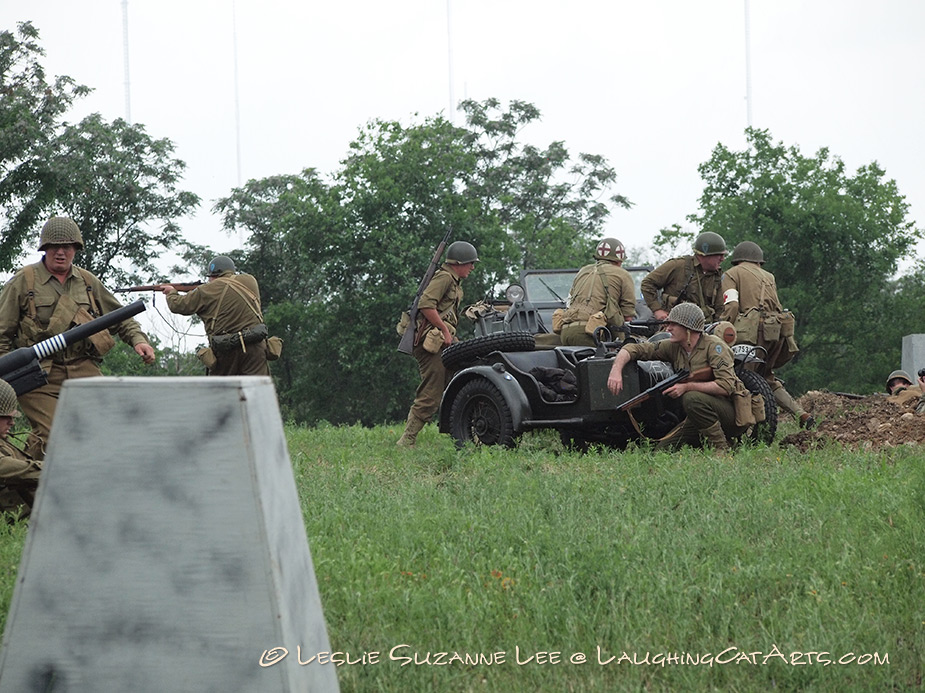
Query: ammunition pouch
x=558 y=320
x=226 y=343
x=274 y=348
x=787 y=321
x=102 y=340
x=433 y=341
x=595 y=320
x=745 y=415
x=403 y=321
x=770 y=327
x=747 y=327
x=206 y=356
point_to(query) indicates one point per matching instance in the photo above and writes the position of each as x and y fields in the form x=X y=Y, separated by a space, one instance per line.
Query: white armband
x=732 y=295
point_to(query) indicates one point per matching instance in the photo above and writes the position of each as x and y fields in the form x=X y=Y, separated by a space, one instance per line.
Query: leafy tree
x=339 y=260
x=31 y=109
x=833 y=241
x=113 y=179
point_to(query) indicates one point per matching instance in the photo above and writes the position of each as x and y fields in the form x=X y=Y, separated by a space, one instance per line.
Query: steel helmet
x=7 y=399
x=461 y=253
x=60 y=231
x=747 y=251
x=709 y=243
x=220 y=265
x=687 y=315
x=897 y=374
x=610 y=249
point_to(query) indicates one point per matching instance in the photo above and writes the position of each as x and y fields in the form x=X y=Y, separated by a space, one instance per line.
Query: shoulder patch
x=718 y=349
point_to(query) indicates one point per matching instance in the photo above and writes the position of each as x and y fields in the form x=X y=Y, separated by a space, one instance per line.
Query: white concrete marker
x=167 y=548
x=913 y=356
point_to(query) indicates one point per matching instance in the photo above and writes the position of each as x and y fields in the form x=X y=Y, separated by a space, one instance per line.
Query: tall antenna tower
x=237 y=104
x=748 y=68
x=449 y=42
x=128 y=89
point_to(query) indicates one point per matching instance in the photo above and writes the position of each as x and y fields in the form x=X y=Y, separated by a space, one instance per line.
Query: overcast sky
x=652 y=86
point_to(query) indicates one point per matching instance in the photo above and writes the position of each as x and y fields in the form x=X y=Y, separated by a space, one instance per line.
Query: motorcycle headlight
x=515 y=293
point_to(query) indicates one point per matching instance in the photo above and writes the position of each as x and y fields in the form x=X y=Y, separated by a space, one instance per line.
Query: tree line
x=339 y=254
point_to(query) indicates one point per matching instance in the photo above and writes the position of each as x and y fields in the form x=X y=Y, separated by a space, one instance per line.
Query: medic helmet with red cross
x=610 y=249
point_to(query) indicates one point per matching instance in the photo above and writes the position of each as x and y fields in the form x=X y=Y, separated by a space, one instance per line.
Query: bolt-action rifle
x=179 y=286
x=698 y=376
x=406 y=345
x=21 y=368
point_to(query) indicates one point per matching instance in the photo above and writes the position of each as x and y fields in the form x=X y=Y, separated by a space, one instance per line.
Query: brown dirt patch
x=869 y=423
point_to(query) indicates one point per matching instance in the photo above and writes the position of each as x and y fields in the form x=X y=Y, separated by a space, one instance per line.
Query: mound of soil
x=870 y=423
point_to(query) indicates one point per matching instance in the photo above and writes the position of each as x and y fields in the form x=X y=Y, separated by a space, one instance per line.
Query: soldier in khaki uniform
x=229 y=307
x=47 y=298
x=709 y=407
x=692 y=278
x=900 y=388
x=19 y=473
x=601 y=287
x=749 y=287
x=438 y=309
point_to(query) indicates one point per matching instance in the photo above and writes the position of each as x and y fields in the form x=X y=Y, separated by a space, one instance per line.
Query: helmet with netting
x=747 y=251
x=709 y=243
x=60 y=231
x=461 y=253
x=897 y=374
x=7 y=399
x=220 y=265
x=610 y=249
x=687 y=315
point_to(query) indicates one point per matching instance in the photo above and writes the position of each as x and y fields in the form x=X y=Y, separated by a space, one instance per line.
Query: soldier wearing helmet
x=438 y=312
x=19 y=473
x=711 y=417
x=692 y=278
x=47 y=298
x=900 y=388
x=750 y=303
x=602 y=287
x=229 y=306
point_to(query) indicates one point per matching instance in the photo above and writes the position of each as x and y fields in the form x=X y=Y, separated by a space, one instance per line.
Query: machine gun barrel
x=700 y=375
x=21 y=368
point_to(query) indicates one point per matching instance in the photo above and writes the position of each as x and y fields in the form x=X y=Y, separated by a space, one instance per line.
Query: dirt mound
x=871 y=422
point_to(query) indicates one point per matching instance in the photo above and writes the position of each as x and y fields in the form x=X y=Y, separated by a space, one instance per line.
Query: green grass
x=538 y=550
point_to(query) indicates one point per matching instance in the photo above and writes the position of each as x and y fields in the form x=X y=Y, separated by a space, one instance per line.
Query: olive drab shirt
x=683 y=277
x=227 y=304
x=55 y=306
x=444 y=294
x=603 y=286
x=709 y=351
x=747 y=285
x=15 y=464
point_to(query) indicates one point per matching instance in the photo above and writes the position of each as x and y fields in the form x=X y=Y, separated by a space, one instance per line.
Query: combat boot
x=412 y=427
x=715 y=436
x=785 y=401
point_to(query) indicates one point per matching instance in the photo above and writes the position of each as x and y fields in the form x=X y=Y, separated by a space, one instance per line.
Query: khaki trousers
x=40 y=404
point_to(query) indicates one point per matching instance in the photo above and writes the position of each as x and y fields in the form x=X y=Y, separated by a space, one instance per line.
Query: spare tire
x=462 y=354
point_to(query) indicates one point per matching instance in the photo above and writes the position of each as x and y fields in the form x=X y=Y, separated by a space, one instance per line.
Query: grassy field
x=764 y=570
